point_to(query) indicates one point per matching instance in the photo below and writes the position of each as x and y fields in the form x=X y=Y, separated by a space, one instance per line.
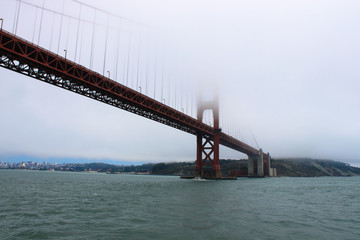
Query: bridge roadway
x=24 y=57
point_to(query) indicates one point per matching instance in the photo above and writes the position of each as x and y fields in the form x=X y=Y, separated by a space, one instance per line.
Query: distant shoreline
x=292 y=167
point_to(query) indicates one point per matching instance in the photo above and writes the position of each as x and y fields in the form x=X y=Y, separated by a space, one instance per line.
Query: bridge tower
x=207 y=151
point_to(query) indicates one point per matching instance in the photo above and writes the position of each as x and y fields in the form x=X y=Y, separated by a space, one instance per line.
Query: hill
x=291 y=167
x=306 y=167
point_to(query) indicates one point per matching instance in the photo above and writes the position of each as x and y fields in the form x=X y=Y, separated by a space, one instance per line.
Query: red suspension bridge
x=30 y=59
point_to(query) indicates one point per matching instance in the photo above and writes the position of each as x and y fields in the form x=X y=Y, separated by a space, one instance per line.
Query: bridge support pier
x=207 y=154
x=260 y=164
x=250 y=165
x=266 y=159
x=256 y=165
x=207 y=159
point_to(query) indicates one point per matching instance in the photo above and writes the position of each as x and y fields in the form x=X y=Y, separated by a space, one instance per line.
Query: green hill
x=306 y=167
x=292 y=167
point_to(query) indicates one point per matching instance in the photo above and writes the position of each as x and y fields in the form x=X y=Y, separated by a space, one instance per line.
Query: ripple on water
x=59 y=205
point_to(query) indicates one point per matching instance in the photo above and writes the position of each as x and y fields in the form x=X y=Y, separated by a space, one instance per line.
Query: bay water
x=69 y=205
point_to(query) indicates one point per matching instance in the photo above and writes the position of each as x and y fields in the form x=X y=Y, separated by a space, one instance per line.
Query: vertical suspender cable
x=169 y=88
x=92 y=42
x=42 y=13
x=117 y=55
x=68 y=34
x=124 y=69
x=187 y=99
x=168 y=80
x=107 y=32
x=138 y=65
x=33 y=36
x=155 y=78
x=77 y=34
x=162 y=83
x=155 y=75
x=191 y=105
x=181 y=92
x=254 y=138
x=128 y=60
x=61 y=23
x=175 y=92
x=133 y=70
x=17 y=16
x=52 y=29
x=81 y=45
x=147 y=70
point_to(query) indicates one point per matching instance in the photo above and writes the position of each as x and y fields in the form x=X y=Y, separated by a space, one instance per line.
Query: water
x=62 y=205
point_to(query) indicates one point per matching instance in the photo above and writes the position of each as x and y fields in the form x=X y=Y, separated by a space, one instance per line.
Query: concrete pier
x=256 y=165
x=250 y=165
x=260 y=164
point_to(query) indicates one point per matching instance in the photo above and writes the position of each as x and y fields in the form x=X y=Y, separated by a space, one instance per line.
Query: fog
x=286 y=72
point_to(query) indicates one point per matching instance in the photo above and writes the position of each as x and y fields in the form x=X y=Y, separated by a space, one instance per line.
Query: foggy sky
x=287 y=70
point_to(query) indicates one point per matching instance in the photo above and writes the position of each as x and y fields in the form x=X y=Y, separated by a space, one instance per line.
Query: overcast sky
x=286 y=70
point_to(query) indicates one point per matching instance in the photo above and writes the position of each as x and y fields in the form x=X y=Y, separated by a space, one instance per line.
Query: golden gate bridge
x=102 y=56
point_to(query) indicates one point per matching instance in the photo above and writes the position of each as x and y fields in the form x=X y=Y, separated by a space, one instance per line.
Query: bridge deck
x=31 y=60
